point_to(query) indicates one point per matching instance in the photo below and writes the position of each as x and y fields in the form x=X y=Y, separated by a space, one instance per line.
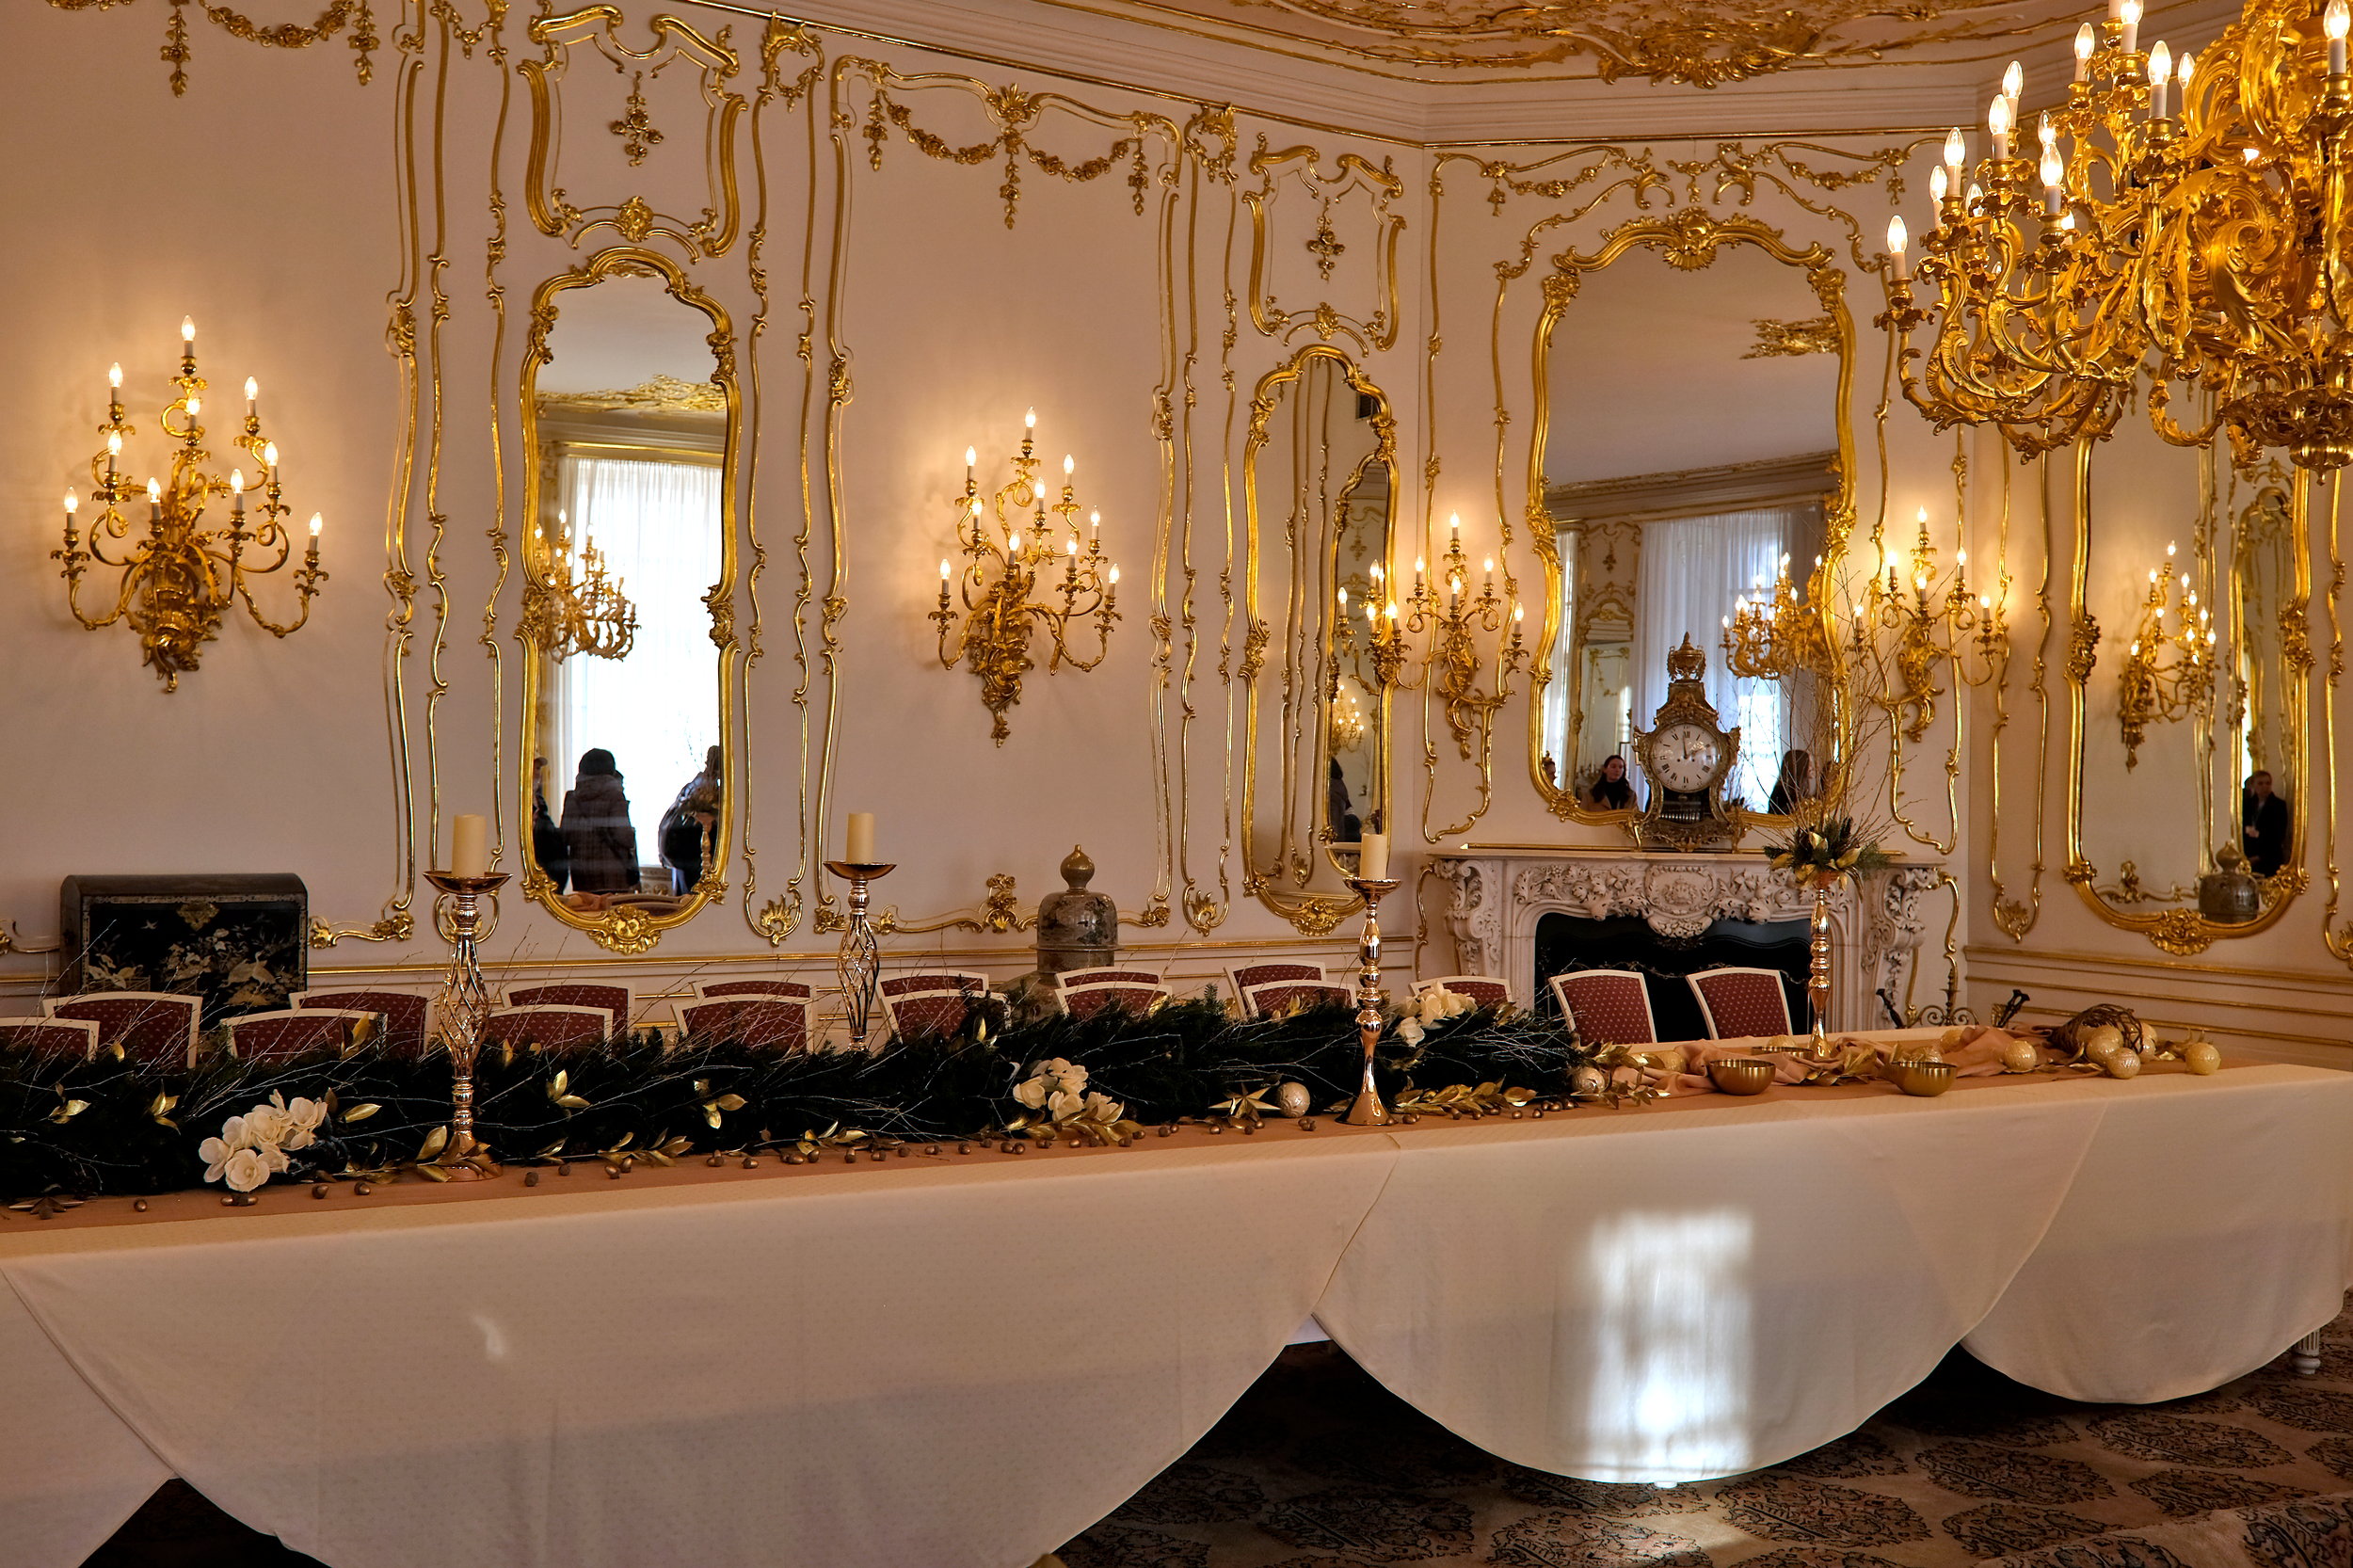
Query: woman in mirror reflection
x=687 y=826
x=1611 y=792
x=1795 y=783
x=2266 y=831
x=596 y=832
x=546 y=839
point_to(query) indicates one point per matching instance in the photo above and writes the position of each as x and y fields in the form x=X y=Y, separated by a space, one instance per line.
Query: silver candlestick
x=460 y=1015
x=1371 y=1001
x=861 y=964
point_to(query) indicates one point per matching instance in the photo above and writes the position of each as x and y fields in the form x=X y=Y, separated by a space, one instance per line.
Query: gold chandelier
x=180 y=578
x=1006 y=586
x=572 y=605
x=2167 y=675
x=1774 y=634
x=2189 y=217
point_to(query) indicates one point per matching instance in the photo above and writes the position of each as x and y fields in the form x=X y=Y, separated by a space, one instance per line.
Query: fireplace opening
x=1569 y=942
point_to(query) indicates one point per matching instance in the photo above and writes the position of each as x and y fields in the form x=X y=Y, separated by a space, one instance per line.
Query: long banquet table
x=963 y=1361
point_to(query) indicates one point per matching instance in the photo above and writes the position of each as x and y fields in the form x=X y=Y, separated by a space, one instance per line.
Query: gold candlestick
x=462 y=1010
x=1817 y=971
x=1366 y=1109
x=861 y=964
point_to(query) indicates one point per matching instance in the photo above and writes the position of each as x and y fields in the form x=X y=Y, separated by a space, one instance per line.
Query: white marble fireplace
x=1496 y=897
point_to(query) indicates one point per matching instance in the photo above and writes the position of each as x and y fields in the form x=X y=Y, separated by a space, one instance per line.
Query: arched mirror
x=2188 y=678
x=628 y=564
x=1692 y=451
x=1320 y=484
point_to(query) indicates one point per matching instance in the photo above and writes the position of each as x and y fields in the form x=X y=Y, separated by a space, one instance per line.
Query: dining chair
x=550 y=1026
x=154 y=1027
x=752 y=1023
x=1098 y=996
x=1277 y=998
x=1609 y=1007
x=790 y=990
x=617 y=1000
x=49 y=1037
x=1485 y=990
x=1738 y=1004
x=408 y=1015
x=293 y=1032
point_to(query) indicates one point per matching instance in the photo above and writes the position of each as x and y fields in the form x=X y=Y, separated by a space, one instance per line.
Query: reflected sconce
x=1008 y=589
x=573 y=605
x=1921 y=619
x=175 y=581
x=2167 y=675
x=1456 y=623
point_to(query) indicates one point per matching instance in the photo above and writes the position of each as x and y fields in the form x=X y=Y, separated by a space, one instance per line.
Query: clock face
x=1685 y=756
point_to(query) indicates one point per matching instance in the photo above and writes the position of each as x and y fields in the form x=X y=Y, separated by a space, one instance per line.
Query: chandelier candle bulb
x=2128 y=15
x=2160 y=78
x=860 y=850
x=2014 y=83
x=1897 y=240
x=318 y=522
x=2335 y=23
x=1997 y=122
x=2085 y=43
x=469 y=845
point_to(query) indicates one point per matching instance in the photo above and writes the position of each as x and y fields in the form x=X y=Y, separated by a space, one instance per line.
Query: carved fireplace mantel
x=1496 y=897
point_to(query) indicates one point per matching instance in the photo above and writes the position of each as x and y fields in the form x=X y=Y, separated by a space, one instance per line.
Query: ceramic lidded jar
x=1077 y=929
x=2229 y=895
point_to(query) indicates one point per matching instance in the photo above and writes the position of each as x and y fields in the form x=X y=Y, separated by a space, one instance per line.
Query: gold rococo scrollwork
x=337 y=17
x=1372 y=327
x=632 y=218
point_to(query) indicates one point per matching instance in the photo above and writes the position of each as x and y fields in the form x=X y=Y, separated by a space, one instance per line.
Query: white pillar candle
x=1372 y=856
x=469 y=846
x=862 y=850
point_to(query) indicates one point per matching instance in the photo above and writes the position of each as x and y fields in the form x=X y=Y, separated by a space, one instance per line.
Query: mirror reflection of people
x=598 y=837
x=687 y=826
x=1340 y=810
x=546 y=839
x=1611 y=792
x=2265 y=830
x=1795 y=783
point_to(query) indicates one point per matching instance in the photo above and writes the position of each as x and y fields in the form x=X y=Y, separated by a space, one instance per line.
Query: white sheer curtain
x=1692 y=569
x=1558 y=742
x=657 y=524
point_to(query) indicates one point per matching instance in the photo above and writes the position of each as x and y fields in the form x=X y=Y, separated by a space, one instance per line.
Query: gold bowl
x=1741 y=1075
x=1926 y=1079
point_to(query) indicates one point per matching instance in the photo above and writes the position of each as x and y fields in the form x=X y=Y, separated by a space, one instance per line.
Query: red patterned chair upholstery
x=1277 y=998
x=549 y=1026
x=753 y=1023
x=1741 y=1002
x=151 y=1026
x=915 y=1012
x=1247 y=976
x=408 y=1015
x=791 y=990
x=1097 y=997
x=296 y=1031
x=952 y=981
x=45 y=1037
x=1485 y=990
x=1609 y=1007
x=615 y=999
x=1115 y=973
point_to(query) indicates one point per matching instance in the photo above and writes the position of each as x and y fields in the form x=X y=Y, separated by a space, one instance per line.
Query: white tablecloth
x=969 y=1364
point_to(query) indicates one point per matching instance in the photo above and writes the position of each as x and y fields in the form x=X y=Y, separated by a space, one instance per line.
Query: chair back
x=1738 y=1002
x=952 y=981
x=407 y=1016
x=1111 y=975
x=1609 y=1007
x=791 y=990
x=49 y=1037
x=1276 y=999
x=916 y=1013
x=1484 y=989
x=1125 y=996
x=754 y=1023
x=296 y=1031
x=549 y=1026
x=151 y=1026
x=619 y=1004
x=1247 y=976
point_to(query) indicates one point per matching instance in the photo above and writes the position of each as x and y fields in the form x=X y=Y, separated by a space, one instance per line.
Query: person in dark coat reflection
x=597 y=830
x=546 y=839
x=2267 y=834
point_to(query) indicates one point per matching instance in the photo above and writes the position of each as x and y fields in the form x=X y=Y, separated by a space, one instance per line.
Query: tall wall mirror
x=2189 y=684
x=630 y=422
x=1320 y=484
x=1691 y=445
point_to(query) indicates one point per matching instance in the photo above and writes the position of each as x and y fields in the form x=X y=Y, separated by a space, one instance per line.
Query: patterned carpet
x=1317 y=1467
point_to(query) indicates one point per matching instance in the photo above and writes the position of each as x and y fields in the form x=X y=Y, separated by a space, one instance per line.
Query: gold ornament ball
x=2120 y=1063
x=2202 y=1057
x=2101 y=1040
x=2021 y=1056
x=1293 y=1099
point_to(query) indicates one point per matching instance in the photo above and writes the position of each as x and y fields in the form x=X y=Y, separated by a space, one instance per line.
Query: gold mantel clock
x=1685 y=756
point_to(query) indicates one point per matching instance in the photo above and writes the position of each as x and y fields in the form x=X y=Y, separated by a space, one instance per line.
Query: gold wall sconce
x=1920 y=619
x=2167 y=675
x=180 y=578
x=573 y=605
x=1007 y=588
x=1456 y=625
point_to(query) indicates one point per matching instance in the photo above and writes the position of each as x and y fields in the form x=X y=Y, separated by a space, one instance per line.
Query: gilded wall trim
x=1374 y=326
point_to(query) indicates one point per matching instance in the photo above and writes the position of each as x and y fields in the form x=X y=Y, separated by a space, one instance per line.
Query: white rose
x=244 y=1170
x=266 y=1124
x=1410 y=1031
x=1102 y=1108
x=303 y=1117
x=1033 y=1092
x=214 y=1152
x=1065 y=1103
x=1067 y=1075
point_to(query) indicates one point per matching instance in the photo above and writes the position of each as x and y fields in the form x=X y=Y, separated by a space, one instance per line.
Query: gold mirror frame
x=2184 y=932
x=629 y=930
x=1688 y=240
x=1310 y=914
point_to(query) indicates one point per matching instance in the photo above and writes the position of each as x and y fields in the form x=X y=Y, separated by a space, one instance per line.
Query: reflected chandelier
x=573 y=605
x=2193 y=218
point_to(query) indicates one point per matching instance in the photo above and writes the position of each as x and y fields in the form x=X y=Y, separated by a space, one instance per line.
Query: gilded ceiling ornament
x=1776 y=339
x=339 y=16
x=664 y=394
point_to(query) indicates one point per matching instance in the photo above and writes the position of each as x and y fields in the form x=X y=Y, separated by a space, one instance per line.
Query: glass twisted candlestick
x=861 y=963
x=1371 y=1001
x=461 y=1012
